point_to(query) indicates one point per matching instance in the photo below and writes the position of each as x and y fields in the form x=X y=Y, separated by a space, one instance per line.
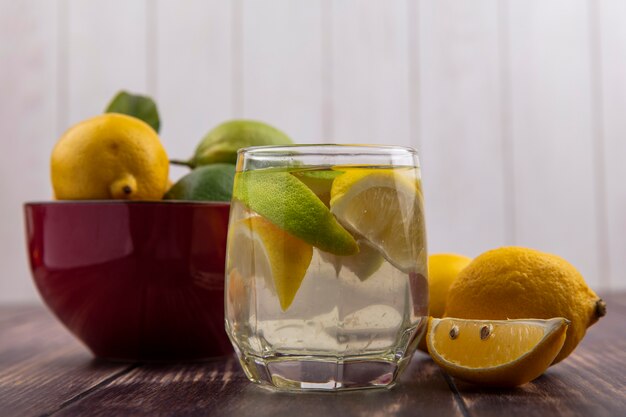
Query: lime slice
x=383 y=206
x=263 y=249
x=285 y=201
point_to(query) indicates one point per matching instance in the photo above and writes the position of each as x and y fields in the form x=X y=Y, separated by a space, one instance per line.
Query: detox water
x=304 y=318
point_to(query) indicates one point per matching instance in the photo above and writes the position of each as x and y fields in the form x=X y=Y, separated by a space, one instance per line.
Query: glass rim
x=327 y=149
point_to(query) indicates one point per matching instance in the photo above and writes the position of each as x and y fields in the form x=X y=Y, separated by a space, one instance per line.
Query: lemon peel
x=280 y=258
x=111 y=156
x=516 y=282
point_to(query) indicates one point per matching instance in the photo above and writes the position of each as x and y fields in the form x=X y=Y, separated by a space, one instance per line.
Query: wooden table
x=45 y=371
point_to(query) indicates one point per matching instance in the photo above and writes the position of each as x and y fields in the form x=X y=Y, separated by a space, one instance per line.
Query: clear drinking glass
x=326 y=270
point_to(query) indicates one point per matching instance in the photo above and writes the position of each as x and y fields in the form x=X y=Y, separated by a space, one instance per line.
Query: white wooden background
x=518 y=107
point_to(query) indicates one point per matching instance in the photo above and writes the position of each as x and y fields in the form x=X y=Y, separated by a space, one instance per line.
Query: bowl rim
x=173 y=203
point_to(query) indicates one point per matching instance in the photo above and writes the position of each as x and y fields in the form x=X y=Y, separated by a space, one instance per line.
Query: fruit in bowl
x=111 y=156
x=129 y=263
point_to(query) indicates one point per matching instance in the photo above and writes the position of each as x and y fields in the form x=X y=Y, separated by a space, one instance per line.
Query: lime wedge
x=285 y=201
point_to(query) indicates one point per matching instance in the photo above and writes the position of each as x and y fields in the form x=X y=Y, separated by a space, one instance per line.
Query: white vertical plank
x=193 y=74
x=106 y=53
x=461 y=125
x=612 y=15
x=28 y=53
x=282 y=66
x=370 y=72
x=552 y=130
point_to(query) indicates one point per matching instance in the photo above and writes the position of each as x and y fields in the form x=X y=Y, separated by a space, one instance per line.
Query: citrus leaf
x=141 y=107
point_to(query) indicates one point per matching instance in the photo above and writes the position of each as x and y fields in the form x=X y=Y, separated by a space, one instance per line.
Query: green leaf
x=141 y=107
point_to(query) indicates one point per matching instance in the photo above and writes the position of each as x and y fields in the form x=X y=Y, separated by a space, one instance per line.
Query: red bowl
x=134 y=280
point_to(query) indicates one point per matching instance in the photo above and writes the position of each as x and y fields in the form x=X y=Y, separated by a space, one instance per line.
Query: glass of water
x=326 y=271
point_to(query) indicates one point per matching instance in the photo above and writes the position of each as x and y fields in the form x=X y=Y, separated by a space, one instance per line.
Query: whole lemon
x=443 y=268
x=111 y=156
x=520 y=283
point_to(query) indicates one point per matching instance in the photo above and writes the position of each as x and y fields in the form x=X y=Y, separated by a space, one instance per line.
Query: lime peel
x=291 y=205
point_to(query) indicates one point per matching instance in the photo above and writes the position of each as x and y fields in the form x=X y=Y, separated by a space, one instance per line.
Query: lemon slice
x=364 y=264
x=495 y=352
x=259 y=248
x=383 y=206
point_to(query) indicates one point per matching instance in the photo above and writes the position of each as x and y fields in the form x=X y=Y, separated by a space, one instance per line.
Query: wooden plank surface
x=590 y=382
x=370 y=72
x=610 y=17
x=42 y=367
x=460 y=82
x=221 y=389
x=28 y=125
x=193 y=90
x=552 y=131
x=103 y=57
x=44 y=371
x=282 y=66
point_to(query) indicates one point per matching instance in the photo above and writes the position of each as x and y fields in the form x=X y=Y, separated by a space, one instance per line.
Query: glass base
x=304 y=373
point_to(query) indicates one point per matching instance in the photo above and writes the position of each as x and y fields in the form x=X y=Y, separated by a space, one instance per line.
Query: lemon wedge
x=264 y=249
x=383 y=206
x=501 y=353
x=364 y=264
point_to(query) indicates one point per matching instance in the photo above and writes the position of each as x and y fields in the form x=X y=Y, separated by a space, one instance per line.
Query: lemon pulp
x=385 y=208
x=496 y=352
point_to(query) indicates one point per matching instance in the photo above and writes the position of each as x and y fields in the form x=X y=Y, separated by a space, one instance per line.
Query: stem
x=600 y=308
x=184 y=163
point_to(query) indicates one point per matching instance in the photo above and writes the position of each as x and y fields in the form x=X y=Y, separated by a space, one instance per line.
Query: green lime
x=222 y=143
x=285 y=201
x=320 y=182
x=208 y=183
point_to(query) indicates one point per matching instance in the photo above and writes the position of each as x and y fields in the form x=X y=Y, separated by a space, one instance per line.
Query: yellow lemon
x=265 y=249
x=111 y=156
x=443 y=269
x=384 y=207
x=516 y=283
x=495 y=352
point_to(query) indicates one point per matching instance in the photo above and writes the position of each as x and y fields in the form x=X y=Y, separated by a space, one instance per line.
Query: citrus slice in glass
x=384 y=207
x=364 y=264
x=288 y=203
x=320 y=182
x=500 y=353
x=266 y=250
